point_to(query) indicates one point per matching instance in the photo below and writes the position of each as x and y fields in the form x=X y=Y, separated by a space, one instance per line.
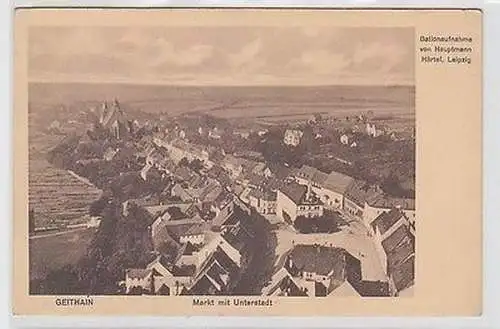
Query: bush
x=327 y=223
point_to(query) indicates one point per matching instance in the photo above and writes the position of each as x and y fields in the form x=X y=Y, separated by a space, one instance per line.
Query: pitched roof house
x=309 y=270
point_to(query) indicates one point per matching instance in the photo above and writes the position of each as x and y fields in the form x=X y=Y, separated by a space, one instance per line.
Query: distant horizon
x=167 y=84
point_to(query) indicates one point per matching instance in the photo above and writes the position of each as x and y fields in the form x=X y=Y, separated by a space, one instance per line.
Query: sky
x=223 y=55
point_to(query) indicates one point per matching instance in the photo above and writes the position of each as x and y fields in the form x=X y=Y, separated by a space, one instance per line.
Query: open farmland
x=54 y=194
x=57 y=194
x=231 y=102
x=53 y=251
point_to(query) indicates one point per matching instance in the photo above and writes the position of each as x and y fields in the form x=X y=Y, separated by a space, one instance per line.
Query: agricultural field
x=55 y=195
x=52 y=251
x=230 y=102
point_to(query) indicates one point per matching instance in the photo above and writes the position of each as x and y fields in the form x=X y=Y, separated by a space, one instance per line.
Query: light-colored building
x=194 y=235
x=329 y=187
x=344 y=139
x=333 y=189
x=383 y=203
x=292 y=137
x=263 y=202
x=357 y=194
x=138 y=278
x=372 y=130
x=305 y=174
x=233 y=165
x=159 y=277
x=294 y=200
x=110 y=153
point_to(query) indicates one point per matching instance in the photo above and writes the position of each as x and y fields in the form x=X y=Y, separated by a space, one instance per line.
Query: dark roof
x=192 y=210
x=211 y=192
x=319 y=177
x=233 y=219
x=399 y=236
x=337 y=182
x=175 y=213
x=297 y=193
x=319 y=289
x=279 y=171
x=372 y=288
x=306 y=172
x=224 y=260
x=185 y=270
x=187 y=249
x=388 y=202
x=404 y=276
x=294 y=191
x=236 y=241
x=223 y=199
x=138 y=273
x=215 y=171
x=386 y=220
x=255 y=179
x=360 y=192
x=162 y=259
x=289 y=288
x=399 y=255
x=176 y=231
x=319 y=259
x=364 y=288
x=163 y=236
x=203 y=286
x=215 y=272
x=263 y=195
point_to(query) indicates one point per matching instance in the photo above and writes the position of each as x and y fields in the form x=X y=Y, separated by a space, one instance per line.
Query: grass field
x=52 y=252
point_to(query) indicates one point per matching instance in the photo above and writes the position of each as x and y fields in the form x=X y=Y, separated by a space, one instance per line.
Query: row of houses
x=395 y=242
x=314 y=188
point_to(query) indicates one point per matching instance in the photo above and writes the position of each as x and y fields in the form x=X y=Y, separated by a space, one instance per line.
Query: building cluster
x=320 y=271
x=314 y=188
x=390 y=220
x=293 y=137
x=200 y=233
x=198 y=249
x=310 y=270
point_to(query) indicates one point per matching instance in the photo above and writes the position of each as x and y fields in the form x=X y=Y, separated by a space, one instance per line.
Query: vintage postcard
x=247 y=162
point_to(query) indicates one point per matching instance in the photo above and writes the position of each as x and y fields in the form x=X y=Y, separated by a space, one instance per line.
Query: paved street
x=353 y=238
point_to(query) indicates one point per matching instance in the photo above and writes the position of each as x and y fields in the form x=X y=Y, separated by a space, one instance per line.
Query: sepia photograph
x=222 y=160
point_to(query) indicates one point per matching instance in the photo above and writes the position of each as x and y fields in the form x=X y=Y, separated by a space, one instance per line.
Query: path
x=82 y=179
x=38 y=236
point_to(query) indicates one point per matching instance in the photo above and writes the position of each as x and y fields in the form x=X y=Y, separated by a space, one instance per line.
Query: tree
x=196 y=165
x=98 y=206
x=184 y=162
x=317 y=117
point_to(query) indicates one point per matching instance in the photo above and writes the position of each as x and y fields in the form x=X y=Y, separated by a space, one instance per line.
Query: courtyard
x=353 y=237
